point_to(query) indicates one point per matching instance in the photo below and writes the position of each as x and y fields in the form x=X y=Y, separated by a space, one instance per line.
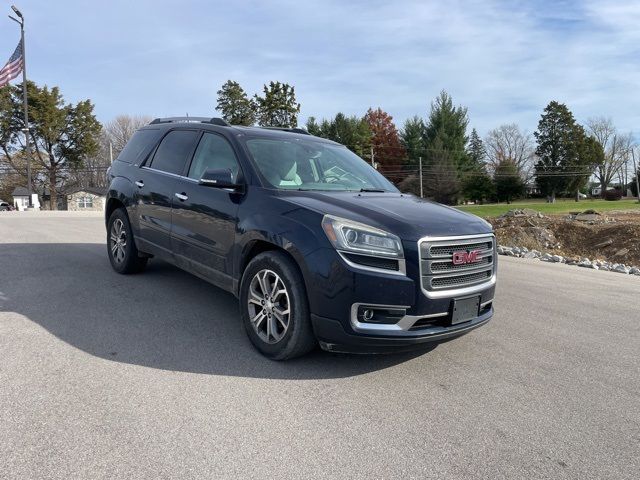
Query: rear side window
x=174 y=151
x=139 y=146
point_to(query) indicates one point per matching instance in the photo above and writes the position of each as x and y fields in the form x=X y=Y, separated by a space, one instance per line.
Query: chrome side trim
x=403 y=325
x=208 y=181
x=444 y=293
x=402 y=266
x=182 y=177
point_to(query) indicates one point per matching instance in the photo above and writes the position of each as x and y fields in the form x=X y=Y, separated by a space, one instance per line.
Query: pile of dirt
x=613 y=237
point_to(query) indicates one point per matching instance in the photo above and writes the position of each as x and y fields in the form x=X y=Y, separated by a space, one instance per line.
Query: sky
x=503 y=60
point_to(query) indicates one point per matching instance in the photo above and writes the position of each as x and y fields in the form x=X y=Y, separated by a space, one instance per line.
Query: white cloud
x=504 y=60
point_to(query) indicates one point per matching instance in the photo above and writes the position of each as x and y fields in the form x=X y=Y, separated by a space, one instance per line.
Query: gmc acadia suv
x=317 y=245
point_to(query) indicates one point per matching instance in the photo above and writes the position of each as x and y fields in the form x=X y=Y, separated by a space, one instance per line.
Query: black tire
x=298 y=338
x=124 y=258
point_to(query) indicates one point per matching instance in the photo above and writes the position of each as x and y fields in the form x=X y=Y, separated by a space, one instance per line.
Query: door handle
x=140 y=184
x=182 y=197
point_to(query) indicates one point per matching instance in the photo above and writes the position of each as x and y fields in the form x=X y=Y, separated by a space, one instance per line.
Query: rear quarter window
x=139 y=146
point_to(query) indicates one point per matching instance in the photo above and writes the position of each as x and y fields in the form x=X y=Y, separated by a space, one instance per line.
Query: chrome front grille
x=439 y=272
x=447 y=250
x=445 y=266
x=461 y=280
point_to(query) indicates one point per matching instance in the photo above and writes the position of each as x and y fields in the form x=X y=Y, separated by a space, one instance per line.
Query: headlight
x=349 y=236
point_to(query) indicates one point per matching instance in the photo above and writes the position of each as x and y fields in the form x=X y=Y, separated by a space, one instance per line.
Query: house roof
x=20 y=192
x=101 y=191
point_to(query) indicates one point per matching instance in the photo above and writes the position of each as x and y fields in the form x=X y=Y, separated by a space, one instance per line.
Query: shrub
x=612 y=195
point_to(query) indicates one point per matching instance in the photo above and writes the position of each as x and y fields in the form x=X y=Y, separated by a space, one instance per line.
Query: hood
x=407 y=216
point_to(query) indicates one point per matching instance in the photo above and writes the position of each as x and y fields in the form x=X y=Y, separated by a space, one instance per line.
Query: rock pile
x=522 y=212
x=523 y=252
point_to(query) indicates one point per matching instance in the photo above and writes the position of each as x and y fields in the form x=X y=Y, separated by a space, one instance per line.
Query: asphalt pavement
x=151 y=376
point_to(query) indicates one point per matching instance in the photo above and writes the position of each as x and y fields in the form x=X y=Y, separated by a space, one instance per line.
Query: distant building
x=86 y=199
x=531 y=188
x=21 y=199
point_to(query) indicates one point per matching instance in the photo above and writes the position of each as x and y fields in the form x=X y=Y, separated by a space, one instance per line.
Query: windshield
x=296 y=164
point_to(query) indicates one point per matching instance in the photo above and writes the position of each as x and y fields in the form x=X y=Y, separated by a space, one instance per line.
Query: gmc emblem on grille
x=462 y=258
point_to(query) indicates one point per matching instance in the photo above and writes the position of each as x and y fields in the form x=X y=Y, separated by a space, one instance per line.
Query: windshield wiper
x=372 y=190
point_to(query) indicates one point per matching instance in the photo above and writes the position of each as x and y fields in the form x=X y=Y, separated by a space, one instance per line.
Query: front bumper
x=337 y=290
x=335 y=338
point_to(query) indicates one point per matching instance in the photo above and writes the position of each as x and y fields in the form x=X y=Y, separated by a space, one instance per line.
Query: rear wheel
x=121 y=247
x=274 y=307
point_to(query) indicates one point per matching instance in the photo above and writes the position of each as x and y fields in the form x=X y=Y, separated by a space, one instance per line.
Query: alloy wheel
x=269 y=306
x=118 y=239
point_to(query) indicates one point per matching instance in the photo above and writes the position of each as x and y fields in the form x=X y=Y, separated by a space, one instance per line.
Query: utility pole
x=110 y=152
x=24 y=100
x=421 y=191
x=373 y=164
x=637 y=172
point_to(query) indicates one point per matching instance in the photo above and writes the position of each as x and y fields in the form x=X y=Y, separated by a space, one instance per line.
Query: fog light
x=371 y=314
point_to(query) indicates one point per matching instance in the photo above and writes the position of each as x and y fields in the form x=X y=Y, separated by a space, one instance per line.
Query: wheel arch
x=255 y=247
x=113 y=204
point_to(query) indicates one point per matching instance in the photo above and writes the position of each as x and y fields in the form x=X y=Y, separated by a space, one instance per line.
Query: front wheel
x=274 y=307
x=122 y=250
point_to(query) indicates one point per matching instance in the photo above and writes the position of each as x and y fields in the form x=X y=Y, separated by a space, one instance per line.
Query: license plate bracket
x=465 y=309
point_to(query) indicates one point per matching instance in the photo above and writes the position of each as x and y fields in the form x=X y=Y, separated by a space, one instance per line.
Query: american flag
x=13 y=67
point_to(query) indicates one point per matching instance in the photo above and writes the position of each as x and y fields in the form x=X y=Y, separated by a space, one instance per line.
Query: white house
x=83 y=199
x=21 y=199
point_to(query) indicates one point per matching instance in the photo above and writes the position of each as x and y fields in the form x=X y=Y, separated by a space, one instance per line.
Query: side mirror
x=220 y=178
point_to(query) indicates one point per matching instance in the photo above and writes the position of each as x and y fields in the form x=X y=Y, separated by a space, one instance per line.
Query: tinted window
x=311 y=165
x=174 y=150
x=213 y=152
x=139 y=146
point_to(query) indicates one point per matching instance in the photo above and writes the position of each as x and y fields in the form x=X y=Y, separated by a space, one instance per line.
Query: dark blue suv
x=317 y=245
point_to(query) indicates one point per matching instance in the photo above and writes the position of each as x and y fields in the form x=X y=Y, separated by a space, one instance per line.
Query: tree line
x=435 y=156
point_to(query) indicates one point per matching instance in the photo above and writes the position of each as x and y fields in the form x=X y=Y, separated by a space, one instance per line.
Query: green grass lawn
x=561 y=206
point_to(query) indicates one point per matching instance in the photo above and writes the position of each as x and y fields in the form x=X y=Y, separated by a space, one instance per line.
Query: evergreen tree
x=476 y=152
x=412 y=137
x=234 y=105
x=278 y=106
x=448 y=125
x=440 y=181
x=559 y=144
x=62 y=135
x=353 y=132
x=313 y=127
x=477 y=185
x=508 y=183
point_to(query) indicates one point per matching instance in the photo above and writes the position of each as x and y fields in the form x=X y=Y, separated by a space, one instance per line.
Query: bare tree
x=93 y=172
x=616 y=146
x=509 y=143
x=114 y=135
x=119 y=130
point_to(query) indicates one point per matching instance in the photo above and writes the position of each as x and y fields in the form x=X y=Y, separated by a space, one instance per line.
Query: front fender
x=296 y=231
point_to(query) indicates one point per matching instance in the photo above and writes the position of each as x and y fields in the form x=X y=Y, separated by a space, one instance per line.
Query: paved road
x=150 y=376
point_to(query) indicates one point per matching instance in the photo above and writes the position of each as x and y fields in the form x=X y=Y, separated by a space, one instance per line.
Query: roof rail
x=215 y=120
x=292 y=130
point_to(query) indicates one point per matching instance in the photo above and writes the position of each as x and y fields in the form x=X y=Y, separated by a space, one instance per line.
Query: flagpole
x=25 y=102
